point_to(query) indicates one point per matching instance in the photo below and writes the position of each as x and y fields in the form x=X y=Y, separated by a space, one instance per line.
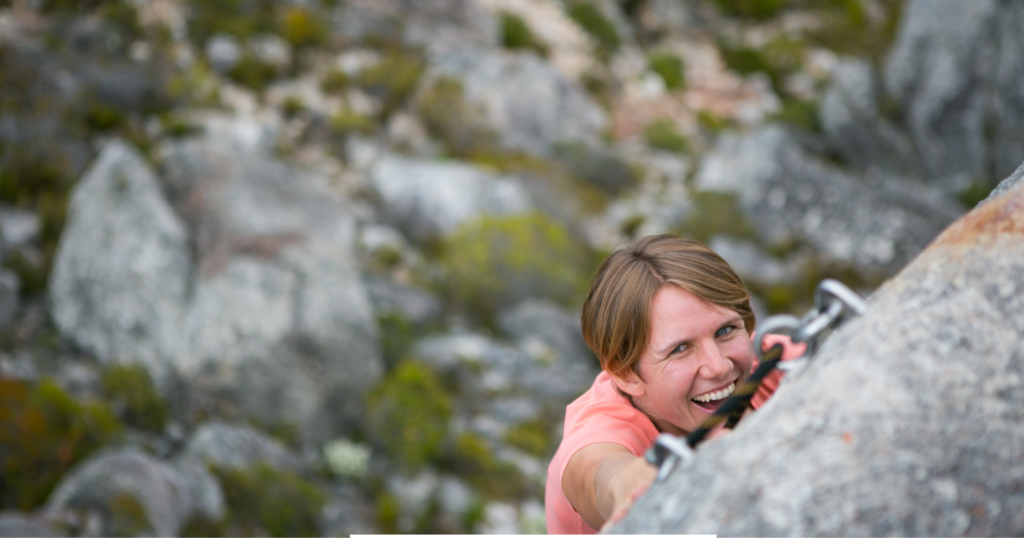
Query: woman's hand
x=790 y=349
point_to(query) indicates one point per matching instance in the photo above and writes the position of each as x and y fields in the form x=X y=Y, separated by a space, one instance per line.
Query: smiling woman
x=672 y=324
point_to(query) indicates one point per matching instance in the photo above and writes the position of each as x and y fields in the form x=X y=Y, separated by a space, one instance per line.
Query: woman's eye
x=678 y=349
x=724 y=331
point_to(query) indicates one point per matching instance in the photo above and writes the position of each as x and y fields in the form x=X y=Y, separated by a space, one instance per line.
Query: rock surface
x=908 y=422
x=237 y=447
x=789 y=193
x=169 y=496
x=248 y=291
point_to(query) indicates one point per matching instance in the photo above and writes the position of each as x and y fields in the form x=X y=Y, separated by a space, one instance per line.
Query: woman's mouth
x=711 y=401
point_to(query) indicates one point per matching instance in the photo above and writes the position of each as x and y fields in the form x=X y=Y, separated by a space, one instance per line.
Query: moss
x=802 y=114
x=533 y=437
x=751 y=9
x=516 y=35
x=345 y=122
x=716 y=213
x=127 y=516
x=253 y=73
x=264 y=499
x=495 y=261
x=44 y=432
x=335 y=82
x=460 y=125
x=239 y=18
x=472 y=459
x=670 y=68
x=130 y=390
x=663 y=135
x=302 y=28
x=601 y=31
x=416 y=410
x=393 y=79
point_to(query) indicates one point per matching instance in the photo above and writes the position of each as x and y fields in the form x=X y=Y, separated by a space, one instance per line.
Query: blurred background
x=314 y=267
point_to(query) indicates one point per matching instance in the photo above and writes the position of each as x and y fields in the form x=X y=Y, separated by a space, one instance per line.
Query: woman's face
x=697 y=354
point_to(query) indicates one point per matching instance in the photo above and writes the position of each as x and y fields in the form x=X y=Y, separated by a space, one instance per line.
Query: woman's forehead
x=676 y=311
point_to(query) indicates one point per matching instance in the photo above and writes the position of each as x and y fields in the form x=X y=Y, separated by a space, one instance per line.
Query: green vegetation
x=516 y=35
x=780 y=57
x=711 y=122
x=238 y=18
x=601 y=31
x=127 y=516
x=263 y=500
x=253 y=73
x=751 y=9
x=346 y=122
x=663 y=135
x=670 y=68
x=302 y=28
x=847 y=29
x=130 y=390
x=416 y=410
x=495 y=261
x=461 y=126
x=716 y=213
x=394 y=79
x=974 y=193
x=802 y=114
x=397 y=335
x=599 y=168
x=533 y=437
x=335 y=82
x=44 y=432
x=473 y=460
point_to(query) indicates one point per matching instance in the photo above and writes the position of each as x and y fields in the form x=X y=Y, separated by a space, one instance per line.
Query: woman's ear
x=629 y=382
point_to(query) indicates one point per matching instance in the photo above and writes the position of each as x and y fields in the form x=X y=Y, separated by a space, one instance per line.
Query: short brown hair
x=616 y=318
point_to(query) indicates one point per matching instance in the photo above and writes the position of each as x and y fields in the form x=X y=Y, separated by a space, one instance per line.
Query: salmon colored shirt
x=604 y=415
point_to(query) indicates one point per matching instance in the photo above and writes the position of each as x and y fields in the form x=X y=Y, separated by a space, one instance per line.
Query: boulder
x=438 y=26
x=427 y=199
x=532 y=107
x=236 y=446
x=247 y=290
x=788 y=193
x=10 y=299
x=908 y=421
x=20 y=525
x=116 y=483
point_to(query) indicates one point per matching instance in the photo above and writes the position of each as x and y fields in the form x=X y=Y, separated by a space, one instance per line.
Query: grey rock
x=427 y=199
x=348 y=511
x=413 y=304
x=438 y=26
x=168 y=496
x=872 y=222
x=10 y=286
x=14 y=524
x=530 y=105
x=750 y=263
x=1005 y=185
x=18 y=227
x=272 y=50
x=251 y=297
x=908 y=421
x=120 y=277
x=223 y=52
x=237 y=446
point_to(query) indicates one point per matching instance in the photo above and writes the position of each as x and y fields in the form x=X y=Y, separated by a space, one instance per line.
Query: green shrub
x=516 y=35
x=460 y=125
x=335 y=82
x=663 y=135
x=130 y=390
x=43 y=433
x=711 y=122
x=346 y=122
x=302 y=28
x=532 y=436
x=239 y=18
x=716 y=213
x=670 y=68
x=589 y=17
x=802 y=114
x=974 y=193
x=410 y=411
x=264 y=499
x=495 y=261
x=752 y=9
x=779 y=58
x=253 y=73
x=397 y=336
x=473 y=460
x=393 y=79
x=599 y=168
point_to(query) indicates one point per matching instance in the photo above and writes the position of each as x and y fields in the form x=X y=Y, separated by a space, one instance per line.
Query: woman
x=671 y=324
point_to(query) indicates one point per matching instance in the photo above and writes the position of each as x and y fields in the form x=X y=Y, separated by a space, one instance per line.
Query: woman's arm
x=601 y=479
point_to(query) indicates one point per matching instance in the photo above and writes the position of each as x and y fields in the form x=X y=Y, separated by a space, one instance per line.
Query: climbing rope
x=834 y=304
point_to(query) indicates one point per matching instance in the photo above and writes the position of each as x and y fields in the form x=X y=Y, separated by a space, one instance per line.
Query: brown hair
x=616 y=318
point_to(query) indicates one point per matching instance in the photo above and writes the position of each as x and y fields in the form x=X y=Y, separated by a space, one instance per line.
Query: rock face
x=948 y=105
x=529 y=104
x=910 y=421
x=248 y=292
x=168 y=495
x=789 y=193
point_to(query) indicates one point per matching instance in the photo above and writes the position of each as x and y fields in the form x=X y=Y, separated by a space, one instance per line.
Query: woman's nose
x=714 y=363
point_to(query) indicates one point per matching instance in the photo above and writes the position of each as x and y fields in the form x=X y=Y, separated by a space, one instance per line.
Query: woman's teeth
x=717 y=395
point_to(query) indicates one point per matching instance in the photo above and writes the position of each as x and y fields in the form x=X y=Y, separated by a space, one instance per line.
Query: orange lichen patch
x=1000 y=217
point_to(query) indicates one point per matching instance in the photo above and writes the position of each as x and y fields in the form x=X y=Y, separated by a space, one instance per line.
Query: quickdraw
x=834 y=304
